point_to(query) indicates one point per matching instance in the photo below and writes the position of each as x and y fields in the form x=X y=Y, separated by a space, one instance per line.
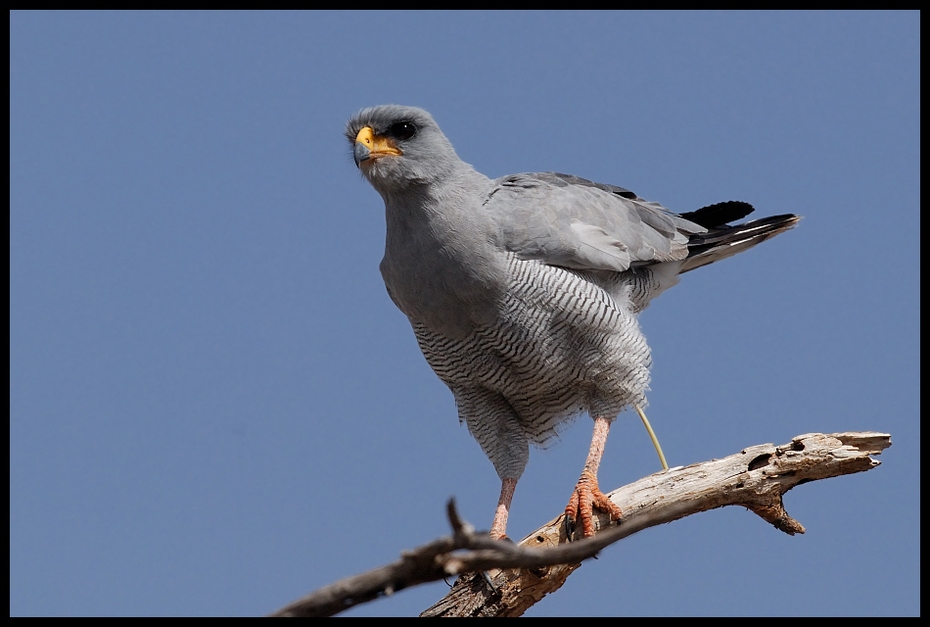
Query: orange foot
x=584 y=499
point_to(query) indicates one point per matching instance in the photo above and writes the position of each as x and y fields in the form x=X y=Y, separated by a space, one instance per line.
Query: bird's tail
x=725 y=240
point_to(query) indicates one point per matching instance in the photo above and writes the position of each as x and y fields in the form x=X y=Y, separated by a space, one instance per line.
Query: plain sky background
x=215 y=408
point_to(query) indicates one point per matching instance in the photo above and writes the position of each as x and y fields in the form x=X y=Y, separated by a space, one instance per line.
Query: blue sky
x=215 y=407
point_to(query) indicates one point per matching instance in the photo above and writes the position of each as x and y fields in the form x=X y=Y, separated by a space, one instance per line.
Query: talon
x=569 y=525
x=584 y=500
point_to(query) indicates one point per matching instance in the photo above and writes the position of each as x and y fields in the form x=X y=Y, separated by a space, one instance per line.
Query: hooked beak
x=369 y=146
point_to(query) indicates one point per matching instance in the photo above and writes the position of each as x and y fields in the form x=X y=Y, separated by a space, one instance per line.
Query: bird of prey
x=523 y=291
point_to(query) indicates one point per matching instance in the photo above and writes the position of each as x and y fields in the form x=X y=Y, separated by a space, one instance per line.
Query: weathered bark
x=505 y=579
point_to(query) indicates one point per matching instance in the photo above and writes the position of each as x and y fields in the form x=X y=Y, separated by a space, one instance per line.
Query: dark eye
x=402 y=130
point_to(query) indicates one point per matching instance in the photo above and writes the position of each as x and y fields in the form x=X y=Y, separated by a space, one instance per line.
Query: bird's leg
x=499 y=526
x=587 y=494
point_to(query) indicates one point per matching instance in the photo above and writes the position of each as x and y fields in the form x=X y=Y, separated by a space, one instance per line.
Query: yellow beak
x=370 y=146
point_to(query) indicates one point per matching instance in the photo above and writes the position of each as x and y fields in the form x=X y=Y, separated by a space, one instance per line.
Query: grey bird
x=523 y=291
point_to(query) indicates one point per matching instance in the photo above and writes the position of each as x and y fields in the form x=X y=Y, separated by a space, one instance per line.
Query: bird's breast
x=446 y=277
x=559 y=344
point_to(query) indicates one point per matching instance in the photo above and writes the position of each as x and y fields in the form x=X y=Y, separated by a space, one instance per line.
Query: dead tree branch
x=505 y=579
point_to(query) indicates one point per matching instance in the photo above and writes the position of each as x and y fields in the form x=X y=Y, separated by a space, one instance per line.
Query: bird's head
x=398 y=147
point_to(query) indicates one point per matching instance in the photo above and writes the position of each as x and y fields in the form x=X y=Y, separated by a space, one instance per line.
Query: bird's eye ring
x=402 y=130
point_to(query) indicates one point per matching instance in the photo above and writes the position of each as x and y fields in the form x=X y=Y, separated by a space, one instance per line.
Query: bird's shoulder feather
x=564 y=220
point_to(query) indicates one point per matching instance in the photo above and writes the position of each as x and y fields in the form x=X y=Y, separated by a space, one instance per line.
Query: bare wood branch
x=755 y=478
x=505 y=579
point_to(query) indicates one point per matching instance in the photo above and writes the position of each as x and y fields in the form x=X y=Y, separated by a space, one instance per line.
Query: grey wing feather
x=568 y=221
